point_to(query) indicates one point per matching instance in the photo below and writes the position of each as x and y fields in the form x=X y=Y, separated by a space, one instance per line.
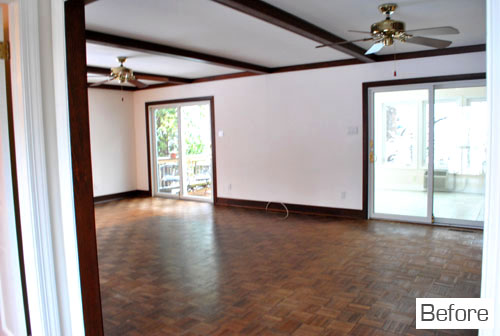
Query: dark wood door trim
x=396 y=82
x=212 y=125
x=82 y=166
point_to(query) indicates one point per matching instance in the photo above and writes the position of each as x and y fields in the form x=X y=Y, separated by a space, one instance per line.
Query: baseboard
x=122 y=195
x=293 y=208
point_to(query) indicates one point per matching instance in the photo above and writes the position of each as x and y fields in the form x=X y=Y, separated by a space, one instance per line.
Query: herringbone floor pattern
x=186 y=268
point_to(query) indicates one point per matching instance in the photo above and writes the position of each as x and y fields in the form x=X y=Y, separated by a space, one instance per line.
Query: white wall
x=112 y=141
x=285 y=135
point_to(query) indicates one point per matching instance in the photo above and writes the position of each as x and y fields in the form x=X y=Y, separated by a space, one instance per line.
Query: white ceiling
x=205 y=26
x=468 y=16
x=208 y=27
x=104 y=56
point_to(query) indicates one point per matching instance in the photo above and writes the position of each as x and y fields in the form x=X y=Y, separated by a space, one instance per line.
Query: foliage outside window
x=166 y=131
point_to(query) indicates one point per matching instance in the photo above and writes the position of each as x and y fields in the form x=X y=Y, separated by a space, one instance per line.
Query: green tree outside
x=167 y=131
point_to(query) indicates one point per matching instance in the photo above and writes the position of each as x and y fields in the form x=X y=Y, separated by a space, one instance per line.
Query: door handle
x=372 y=156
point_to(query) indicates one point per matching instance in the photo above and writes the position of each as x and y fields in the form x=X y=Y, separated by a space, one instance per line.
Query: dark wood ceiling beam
x=112 y=87
x=88 y=2
x=278 y=17
x=143 y=76
x=164 y=50
x=320 y=65
x=432 y=52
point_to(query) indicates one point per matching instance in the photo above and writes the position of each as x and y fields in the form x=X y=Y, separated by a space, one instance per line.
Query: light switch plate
x=352 y=130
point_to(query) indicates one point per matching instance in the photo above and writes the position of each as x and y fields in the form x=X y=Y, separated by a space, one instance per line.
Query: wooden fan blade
x=359 y=31
x=434 y=31
x=344 y=42
x=137 y=83
x=375 y=48
x=105 y=81
x=429 y=42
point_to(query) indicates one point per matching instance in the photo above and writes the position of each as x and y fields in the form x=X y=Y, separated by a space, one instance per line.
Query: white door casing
x=12 y=320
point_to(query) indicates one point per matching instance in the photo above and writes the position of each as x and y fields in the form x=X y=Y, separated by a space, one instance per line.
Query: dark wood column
x=82 y=166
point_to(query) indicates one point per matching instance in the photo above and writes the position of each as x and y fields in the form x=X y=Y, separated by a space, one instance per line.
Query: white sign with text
x=458 y=313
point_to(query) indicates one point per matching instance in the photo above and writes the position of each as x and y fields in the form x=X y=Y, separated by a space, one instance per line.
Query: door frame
x=150 y=145
x=62 y=298
x=366 y=133
x=427 y=219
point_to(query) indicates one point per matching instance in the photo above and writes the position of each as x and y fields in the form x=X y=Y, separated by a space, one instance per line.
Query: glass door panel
x=166 y=149
x=196 y=144
x=460 y=138
x=399 y=154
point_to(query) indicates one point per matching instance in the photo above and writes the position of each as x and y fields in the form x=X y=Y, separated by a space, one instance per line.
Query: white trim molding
x=44 y=169
x=67 y=267
x=490 y=286
x=33 y=188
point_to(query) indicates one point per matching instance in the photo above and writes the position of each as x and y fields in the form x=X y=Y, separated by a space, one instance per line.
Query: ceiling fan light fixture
x=123 y=75
x=387 y=27
x=122 y=79
x=388 y=41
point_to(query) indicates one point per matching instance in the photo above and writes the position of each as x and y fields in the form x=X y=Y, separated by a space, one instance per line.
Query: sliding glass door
x=412 y=181
x=196 y=151
x=182 y=150
x=460 y=135
x=166 y=149
x=400 y=155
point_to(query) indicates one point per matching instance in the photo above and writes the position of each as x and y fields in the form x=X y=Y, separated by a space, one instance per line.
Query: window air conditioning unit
x=440 y=179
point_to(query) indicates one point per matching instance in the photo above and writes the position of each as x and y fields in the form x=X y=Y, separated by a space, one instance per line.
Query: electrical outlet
x=229 y=187
x=343 y=194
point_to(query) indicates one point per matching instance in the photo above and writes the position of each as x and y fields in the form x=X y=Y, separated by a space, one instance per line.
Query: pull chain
x=395 y=72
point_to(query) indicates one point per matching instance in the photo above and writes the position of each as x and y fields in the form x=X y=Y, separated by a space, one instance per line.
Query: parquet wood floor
x=185 y=268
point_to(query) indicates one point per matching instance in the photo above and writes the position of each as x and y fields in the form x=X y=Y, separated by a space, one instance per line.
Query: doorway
x=411 y=181
x=182 y=153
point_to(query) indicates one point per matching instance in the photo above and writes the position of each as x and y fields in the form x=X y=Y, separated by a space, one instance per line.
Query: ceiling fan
x=384 y=33
x=122 y=74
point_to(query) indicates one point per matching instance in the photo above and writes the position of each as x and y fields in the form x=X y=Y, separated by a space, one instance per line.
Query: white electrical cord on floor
x=284 y=206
